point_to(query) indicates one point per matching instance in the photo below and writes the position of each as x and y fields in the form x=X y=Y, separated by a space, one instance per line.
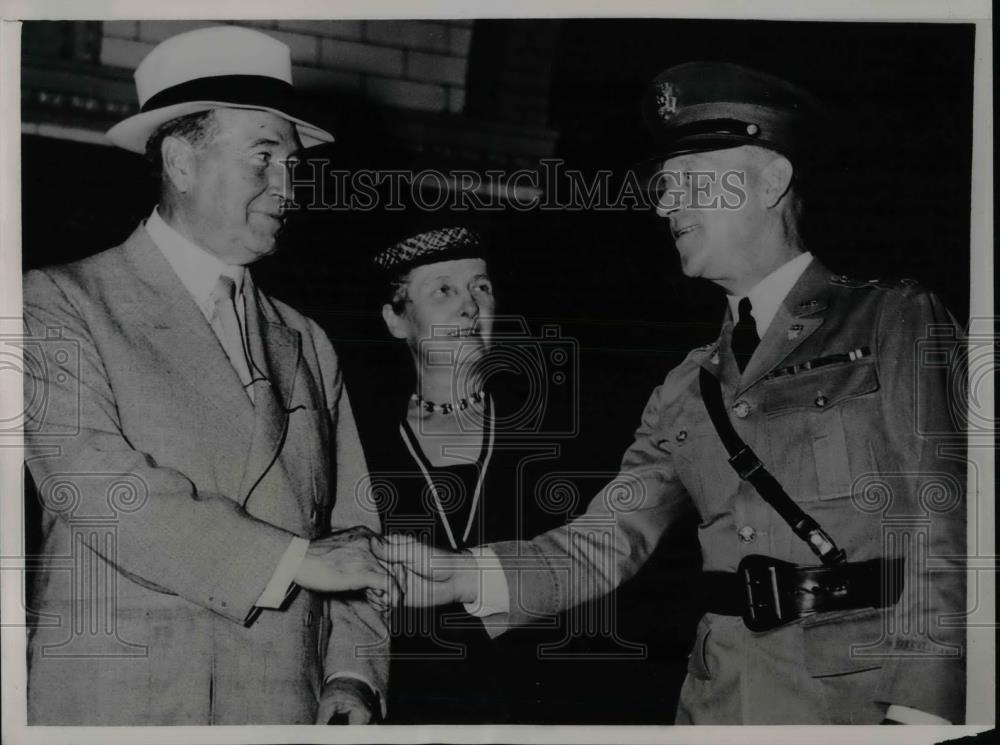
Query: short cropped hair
x=195 y=128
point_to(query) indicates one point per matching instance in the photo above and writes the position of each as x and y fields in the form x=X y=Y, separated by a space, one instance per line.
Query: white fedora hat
x=211 y=68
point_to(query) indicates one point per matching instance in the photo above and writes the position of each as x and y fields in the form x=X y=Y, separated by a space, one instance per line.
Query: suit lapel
x=174 y=324
x=798 y=317
x=275 y=351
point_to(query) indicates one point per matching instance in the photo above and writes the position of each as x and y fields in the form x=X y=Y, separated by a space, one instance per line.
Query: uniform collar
x=768 y=294
x=197 y=269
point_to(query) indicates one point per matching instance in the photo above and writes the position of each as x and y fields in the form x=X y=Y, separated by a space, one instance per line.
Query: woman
x=444 y=470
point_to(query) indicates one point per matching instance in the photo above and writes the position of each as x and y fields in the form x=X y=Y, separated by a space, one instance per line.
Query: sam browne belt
x=769 y=592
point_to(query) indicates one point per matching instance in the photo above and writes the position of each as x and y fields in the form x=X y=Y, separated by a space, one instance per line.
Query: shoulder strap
x=746 y=463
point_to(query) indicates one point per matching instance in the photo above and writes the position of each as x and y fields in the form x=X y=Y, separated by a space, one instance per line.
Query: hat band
x=243 y=90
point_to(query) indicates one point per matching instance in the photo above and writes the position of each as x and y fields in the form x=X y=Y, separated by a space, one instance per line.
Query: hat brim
x=133 y=133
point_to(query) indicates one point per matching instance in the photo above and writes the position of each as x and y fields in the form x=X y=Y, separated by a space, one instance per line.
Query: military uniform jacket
x=168 y=500
x=866 y=444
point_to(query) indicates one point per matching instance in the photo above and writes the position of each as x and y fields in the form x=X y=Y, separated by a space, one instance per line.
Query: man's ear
x=776 y=180
x=397 y=325
x=178 y=162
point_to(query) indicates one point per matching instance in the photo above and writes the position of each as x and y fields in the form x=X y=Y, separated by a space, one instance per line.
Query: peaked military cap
x=702 y=106
x=442 y=244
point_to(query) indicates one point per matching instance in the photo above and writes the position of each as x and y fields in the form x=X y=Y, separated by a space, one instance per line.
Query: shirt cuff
x=906 y=715
x=281 y=581
x=362 y=679
x=494 y=594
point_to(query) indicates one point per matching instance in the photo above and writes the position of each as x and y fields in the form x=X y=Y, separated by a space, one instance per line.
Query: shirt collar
x=768 y=294
x=197 y=269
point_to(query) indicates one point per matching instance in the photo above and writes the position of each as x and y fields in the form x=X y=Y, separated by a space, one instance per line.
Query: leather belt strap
x=746 y=463
x=768 y=592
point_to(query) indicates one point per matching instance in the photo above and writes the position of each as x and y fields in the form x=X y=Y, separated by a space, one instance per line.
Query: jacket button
x=682 y=435
x=741 y=408
x=820 y=401
x=314 y=515
x=308 y=620
x=746 y=534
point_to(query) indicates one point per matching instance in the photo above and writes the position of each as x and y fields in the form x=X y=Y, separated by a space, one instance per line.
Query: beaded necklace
x=461 y=405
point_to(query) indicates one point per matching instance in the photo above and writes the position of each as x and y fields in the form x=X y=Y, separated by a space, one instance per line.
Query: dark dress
x=445 y=669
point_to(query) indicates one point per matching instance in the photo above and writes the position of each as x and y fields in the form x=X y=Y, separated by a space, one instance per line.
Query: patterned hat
x=443 y=244
x=701 y=106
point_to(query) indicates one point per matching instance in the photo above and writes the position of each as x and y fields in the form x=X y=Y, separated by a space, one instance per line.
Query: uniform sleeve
x=592 y=555
x=358 y=643
x=918 y=355
x=169 y=535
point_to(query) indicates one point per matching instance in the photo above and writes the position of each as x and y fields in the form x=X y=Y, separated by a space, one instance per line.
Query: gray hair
x=398 y=291
x=196 y=128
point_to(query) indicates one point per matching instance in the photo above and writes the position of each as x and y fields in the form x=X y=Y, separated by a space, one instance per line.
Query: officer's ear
x=178 y=162
x=776 y=180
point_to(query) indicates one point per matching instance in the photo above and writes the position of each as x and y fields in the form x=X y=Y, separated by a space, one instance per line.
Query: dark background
x=892 y=199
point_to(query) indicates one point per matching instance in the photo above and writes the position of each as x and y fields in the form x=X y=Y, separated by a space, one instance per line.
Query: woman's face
x=449 y=307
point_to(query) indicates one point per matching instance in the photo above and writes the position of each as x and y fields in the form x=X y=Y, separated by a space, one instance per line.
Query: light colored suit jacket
x=168 y=500
x=867 y=446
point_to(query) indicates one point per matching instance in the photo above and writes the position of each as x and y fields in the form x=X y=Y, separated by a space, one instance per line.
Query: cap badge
x=666 y=100
x=795 y=331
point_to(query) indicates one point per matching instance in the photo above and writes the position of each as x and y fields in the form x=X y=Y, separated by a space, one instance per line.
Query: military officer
x=832 y=537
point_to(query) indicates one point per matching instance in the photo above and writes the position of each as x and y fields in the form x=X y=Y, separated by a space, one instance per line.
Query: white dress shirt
x=768 y=294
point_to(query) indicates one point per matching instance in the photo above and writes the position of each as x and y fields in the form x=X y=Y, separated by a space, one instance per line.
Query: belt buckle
x=768 y=603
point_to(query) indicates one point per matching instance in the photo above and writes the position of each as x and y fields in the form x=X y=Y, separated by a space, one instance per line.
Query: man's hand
x=344 y=561
x=348 y=701
x=430 y=576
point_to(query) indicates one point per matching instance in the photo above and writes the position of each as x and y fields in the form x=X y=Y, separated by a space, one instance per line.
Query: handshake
x=392 y=570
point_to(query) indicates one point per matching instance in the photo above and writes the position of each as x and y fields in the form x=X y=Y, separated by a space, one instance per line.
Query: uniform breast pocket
x=818 y=425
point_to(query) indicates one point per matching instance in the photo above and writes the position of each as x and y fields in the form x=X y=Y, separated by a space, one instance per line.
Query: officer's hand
x=348 y=701
x=431 y=576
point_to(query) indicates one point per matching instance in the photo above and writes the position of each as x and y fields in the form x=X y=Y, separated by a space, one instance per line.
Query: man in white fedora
x=204 y=556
